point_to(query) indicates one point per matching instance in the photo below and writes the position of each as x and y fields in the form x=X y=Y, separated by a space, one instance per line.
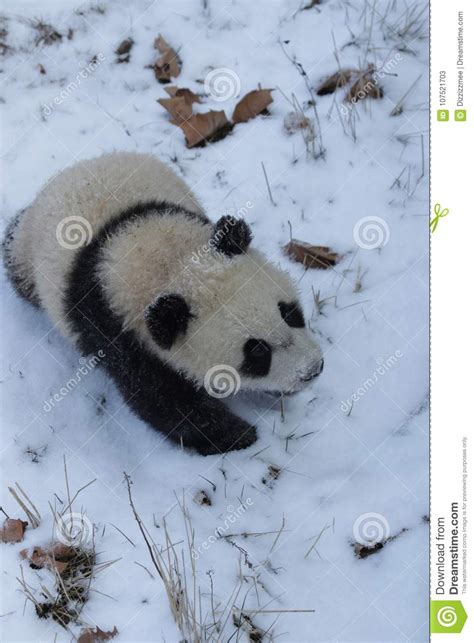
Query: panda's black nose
x=317 y=371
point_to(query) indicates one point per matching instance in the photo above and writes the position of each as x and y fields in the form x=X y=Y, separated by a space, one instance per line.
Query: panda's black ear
x=166 y=318
x=231 y=236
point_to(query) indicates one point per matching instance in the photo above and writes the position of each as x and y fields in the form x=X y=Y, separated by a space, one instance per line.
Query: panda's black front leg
x=170 y=403
x=210 y=427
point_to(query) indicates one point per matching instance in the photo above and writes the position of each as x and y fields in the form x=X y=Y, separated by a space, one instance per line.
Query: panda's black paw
x=244 y=439
x=234 y=436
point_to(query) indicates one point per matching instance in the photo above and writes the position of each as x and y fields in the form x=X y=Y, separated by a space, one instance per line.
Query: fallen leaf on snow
x=123 y=50
x=12 y=530
x=211 y=126
x=311 y=256
x=365 y=86
x=178 y=107
x=189 y=96
x=362 y=551
x=252 y=104
x=89 y=635
x=168 y=64
x=333 y=82
x=57 y=556
x=367 y=549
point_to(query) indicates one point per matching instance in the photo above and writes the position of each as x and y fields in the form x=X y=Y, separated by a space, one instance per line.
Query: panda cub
x=119 y=253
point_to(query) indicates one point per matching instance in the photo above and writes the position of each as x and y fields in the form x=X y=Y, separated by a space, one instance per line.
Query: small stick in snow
x=268 y=185
x=315 y=542
x=278 y=535
x=124 y=535
x=398 y=109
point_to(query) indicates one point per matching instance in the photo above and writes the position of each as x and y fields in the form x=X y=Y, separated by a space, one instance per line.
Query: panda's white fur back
x=95 y=190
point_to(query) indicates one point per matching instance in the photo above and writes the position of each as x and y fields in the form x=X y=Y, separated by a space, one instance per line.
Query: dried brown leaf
x=124 y=47
x=89 y=635
x=179 y=109
x=362 y=551
x=209 y=127
x=252 y=104
x=189 y=96
x=365 y=86
x=12 y=530
x=311 y=256
x=168 y=64
x=56 y=557
x=333 y=82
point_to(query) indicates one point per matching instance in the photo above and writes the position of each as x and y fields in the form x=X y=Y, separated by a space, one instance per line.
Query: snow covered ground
x=327 y=460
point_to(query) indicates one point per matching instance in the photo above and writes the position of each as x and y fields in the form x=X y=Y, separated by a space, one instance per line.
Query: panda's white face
x=245 y=316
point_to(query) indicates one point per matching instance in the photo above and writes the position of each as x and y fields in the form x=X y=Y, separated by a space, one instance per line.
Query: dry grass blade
x=31 y=511
x=316 y=540
x=179 y=576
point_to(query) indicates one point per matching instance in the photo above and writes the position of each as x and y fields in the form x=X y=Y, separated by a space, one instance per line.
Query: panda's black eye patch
x=257 y=358
x=291 y=313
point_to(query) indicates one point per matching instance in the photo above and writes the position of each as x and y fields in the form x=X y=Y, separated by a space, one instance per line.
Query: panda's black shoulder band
x=231 y=236
x=84 y=298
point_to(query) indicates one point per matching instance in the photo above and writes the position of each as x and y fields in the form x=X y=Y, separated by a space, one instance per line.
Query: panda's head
x=233 y=309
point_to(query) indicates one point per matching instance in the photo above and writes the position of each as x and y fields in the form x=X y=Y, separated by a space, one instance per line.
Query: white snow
x=371 y=460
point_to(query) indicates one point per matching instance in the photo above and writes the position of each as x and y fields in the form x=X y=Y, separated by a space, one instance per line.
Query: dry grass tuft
x=177 y=570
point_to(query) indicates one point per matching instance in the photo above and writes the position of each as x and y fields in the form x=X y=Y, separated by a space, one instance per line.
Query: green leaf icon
x=447 y=617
